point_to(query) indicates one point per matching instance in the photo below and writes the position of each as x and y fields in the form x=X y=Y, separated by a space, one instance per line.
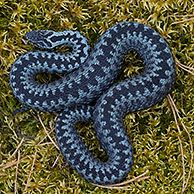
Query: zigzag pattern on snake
x=90 y=76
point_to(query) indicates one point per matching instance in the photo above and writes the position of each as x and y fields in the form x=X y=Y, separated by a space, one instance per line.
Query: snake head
x=40 y=38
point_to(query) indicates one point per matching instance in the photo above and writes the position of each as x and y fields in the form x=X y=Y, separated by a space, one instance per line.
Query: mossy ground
x=153 y=131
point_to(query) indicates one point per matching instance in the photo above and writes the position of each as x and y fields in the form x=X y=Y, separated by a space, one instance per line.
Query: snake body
x=90 y=76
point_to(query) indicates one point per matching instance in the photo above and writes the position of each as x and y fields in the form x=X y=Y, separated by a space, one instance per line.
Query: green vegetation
x=153 y=132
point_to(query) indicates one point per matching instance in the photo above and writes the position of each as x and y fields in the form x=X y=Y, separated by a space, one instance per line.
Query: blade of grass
x=28 y=181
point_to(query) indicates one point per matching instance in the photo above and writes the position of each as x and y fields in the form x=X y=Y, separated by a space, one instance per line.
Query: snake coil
x=90 y=76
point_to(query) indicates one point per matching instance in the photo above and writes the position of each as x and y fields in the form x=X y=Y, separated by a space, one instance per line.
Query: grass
x=31 y=163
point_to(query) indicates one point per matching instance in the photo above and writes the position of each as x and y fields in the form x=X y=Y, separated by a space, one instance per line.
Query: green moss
x=153 y=131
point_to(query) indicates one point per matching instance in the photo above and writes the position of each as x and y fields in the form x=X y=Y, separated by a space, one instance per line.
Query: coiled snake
x=89 y=78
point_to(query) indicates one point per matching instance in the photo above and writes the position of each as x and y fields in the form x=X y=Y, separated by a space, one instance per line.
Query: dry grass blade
x=44 y=138
x=11 y=164
x=190 y=140
x=28 y=181
x=25 y=41
x=116 y=186
x=55 y=161
x=2 y=174
x=190 y=15
x=16 y=174
x=111 y=187
x=186 y=68
x=47 y=143
x=19 y=145
x=47 y=132
x=180 y=142
x=175 y=111
x=184 y=20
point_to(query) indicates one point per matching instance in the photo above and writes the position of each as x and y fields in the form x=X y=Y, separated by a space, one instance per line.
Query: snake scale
x=90 y=74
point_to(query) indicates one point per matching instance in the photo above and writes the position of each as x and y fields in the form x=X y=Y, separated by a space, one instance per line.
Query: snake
x=88 y=92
